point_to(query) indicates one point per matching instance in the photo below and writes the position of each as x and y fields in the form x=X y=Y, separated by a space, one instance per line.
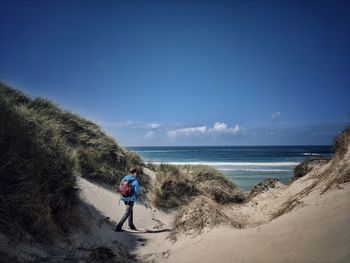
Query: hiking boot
x=118 y=229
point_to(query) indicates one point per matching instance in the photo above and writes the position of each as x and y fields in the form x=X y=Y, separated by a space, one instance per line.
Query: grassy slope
x=98 y=156
x=37 y=182
x=43 y=149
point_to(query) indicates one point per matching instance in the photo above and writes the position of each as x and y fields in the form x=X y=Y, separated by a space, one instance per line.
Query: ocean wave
x=154 y=151
x=272 y=164
x=312 y=154
x=254 y=170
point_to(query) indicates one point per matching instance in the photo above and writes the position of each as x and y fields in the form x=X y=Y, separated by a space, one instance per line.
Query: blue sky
x=186 y=72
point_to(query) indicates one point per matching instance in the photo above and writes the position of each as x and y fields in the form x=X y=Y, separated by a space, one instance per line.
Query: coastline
x=246 y=166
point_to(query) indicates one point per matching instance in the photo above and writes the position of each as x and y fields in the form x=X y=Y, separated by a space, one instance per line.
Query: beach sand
x=317 y=229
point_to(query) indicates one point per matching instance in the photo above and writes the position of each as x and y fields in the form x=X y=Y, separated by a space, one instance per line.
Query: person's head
x=133 y=171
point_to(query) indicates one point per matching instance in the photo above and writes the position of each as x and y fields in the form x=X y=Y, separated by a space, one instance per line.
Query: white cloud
x=128 y=123
x=153 y=125
x=149 y=135
x=218 y=128
x=236 y=129
x=221 y=127
x=131 y=124
x=187 y=131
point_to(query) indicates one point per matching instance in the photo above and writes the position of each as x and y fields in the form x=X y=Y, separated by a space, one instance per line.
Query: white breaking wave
x=154 y=151
x=316 y=154
x=274 y=164
x=255 y=170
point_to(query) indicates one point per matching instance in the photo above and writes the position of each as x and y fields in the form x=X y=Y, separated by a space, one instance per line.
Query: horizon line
x=279 y=145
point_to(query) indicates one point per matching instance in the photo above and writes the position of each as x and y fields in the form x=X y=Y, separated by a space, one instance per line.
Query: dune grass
x=43 y=148
x=98 y=156
x=177 y=185
x=198 y=194
x=338 y=167
x=37 y=182
x=201 y=213
x=342 y=142
x=339 y=170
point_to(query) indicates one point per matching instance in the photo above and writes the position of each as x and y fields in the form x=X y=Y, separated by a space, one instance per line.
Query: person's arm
x=137 y=188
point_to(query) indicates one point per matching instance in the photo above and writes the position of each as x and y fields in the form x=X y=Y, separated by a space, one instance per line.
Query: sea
x=246 y=166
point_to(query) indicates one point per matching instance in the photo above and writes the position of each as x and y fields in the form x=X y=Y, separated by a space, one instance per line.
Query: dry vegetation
x=307 y=166
x=198 y=194
x=37 y=182
x=338 y=171
x=267 y=184
x=199 y=214
x=177 y=185
x=43 y=149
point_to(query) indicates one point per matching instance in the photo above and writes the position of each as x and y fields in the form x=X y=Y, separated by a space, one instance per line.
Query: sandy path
x=100 y=203
x=317 y=231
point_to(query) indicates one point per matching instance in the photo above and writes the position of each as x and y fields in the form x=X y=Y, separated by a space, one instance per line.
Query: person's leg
x=128 y=209
x=131 y=216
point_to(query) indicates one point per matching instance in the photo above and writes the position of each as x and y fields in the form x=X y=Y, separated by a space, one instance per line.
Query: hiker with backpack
x=130 y=189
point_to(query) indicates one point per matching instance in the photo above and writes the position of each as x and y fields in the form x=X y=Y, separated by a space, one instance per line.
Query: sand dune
x=316 y=230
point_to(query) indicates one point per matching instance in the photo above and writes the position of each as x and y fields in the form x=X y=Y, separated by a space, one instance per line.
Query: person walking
x=130 y=190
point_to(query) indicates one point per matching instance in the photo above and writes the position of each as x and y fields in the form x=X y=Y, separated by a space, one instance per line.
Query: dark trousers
x=128 y=214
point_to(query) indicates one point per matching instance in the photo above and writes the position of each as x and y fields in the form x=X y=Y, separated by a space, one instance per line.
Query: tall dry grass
x=177 y=185
x=38 y=191
x=43 y=148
